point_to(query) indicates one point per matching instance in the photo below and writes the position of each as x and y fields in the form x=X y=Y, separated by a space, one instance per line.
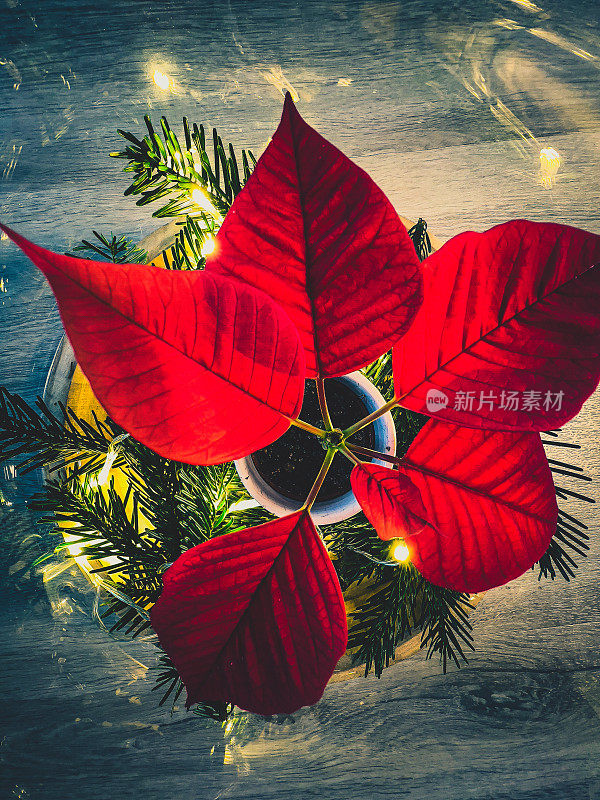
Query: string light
x=549 y=165
x=161 y=80
x=201 y=199
x=208 y=247
x=400 y=552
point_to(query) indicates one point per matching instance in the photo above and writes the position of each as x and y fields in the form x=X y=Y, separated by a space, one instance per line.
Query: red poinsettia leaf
x=254 y=617
x=490 y=498
x=508 y=336
x=315 y=232
x=391 y=501
x=182 y=360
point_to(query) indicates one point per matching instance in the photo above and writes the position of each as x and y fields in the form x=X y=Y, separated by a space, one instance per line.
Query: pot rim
x=340 y=508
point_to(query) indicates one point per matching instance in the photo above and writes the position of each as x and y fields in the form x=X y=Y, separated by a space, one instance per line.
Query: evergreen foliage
x=446 y=629
x=422 y=242
x=43 y=439
x=165 y=169
x=385 y=618
x=187 y=251
x=119 y=250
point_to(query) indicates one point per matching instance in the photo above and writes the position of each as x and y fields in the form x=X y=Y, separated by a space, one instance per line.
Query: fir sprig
x=446 y=629
x=119 y=250
x=399 y=600
x=188 y=251
x=357 y=552
x=167 y=680
x=206 y=499
x=45 y=439
x=384 y=619
x=156 y=482
x=570 y=538
x=165 y=169
x=105 y=527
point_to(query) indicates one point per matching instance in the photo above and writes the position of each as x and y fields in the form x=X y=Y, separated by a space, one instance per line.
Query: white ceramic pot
x=329 y=511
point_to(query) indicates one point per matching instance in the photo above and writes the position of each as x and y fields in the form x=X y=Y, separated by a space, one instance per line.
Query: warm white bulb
x=208 y=247
x=161 y=80
x=400 y=552
x=549 y=165
x=200 y=198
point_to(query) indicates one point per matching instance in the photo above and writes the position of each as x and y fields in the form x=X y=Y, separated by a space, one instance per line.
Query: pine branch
x=356 y=551
x=218 y=711
x=190 y=247
x=168 y=679
x=170 y=683
x=165 y=169
x=384 y=619
x=118 y=250
x=156 y=482
x=106 y=527
x=206 y=500
x=570 y=538
x=420 y=237
x=47 y=440
x=446 y=629
x=127 y=615
x=187 y=505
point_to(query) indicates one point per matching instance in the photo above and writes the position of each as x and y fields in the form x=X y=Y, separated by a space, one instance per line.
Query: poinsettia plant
x=495 y=337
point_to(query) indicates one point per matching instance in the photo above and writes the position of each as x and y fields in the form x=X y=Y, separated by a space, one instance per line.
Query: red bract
x=489 y=497
x=204 y=367
x=255 y=617
x=391 y=502
x=512 y=310
x=173 y=355
x=313 y=230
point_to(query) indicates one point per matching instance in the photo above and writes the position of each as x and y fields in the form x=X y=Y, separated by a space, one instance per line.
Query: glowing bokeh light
x=200 y=198
x=400 y=552
x=549 y=165
x=208 y=247
x=161 y=80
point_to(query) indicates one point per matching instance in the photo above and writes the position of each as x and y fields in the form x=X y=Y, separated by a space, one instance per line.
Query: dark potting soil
x=290 y=465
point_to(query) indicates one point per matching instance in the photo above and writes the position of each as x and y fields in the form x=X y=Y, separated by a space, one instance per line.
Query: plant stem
x=323 y=404
x=362 y=423
x=312 y=495
x=366 y=451
x=306 y=426
x=350 y=456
